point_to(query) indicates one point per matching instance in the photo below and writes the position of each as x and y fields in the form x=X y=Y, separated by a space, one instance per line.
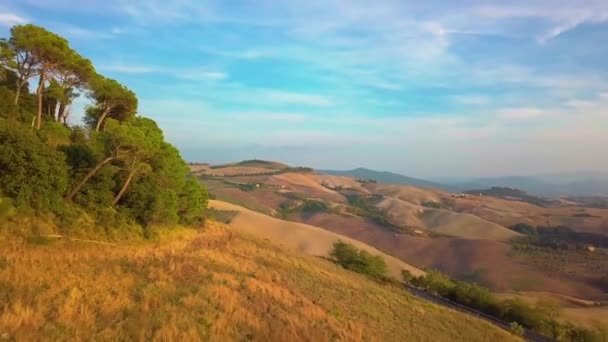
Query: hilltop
x=385 y=177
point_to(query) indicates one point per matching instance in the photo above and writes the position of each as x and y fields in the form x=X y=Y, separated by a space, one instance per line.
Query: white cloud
x=193 y=74
x=522 y=113
x=198 y=75
x=10 y=19
x=581 y=104
x=472 y=100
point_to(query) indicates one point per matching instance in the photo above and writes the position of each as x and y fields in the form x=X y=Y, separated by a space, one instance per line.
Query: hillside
x=579 y=184
x=385 y=177
x=212 y=285
x=464 y=235
x=304 y=238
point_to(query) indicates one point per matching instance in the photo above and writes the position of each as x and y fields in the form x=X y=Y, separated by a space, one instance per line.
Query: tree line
x=543 y=317
x=115 y=167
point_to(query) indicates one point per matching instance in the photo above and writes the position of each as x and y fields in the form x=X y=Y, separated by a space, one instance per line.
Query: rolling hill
x=304 y=238
x=464 y=235
x=209 y=285
x=385 y=177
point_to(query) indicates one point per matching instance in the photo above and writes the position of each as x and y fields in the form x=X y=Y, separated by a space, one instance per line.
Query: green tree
x=112 y=100
x=31 y=173
x=7 y=59
x=142 y=140
x=357 y=260
x=106 y=147
x=193 y=199
x=25 y=63
x=39 y=53
x=436 y=282
x=74 y=73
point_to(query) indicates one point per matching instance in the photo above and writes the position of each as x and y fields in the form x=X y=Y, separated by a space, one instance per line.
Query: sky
x=425 y=88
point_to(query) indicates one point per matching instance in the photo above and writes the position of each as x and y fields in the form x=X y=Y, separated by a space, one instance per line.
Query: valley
x=467 y=236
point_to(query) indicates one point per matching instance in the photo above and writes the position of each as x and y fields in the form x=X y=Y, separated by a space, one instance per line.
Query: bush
x=32 y=174
x=542 y=318
x=407 y=276
x=7 y=210
x=362 y=206
x=8 y=109
x=516 y=329
x=55 y=134
x=313 y=206
x=360 y=261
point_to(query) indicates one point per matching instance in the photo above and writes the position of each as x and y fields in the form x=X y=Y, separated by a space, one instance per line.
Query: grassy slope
x=465 y=226
x=214 y=285
x=302 y=237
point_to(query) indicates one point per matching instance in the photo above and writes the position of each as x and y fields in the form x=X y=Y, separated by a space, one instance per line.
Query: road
x=528 y=334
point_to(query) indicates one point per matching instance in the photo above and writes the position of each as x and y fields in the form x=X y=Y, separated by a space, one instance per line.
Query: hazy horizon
x=427 y=90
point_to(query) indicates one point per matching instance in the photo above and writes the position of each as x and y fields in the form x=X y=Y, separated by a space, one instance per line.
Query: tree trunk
x=124 y=188
x=60 y=110
x=101 y=118
x=66 y=112
x=40 y=92
x=87 y=177
x=18 y=92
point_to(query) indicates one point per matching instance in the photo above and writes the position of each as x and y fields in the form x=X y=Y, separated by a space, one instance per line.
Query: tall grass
x=210 y=285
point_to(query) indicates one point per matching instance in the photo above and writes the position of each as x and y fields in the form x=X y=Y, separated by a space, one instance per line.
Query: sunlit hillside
x=213 y=284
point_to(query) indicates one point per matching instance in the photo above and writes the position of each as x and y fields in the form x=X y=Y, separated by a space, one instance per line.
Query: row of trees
x=116 y=166
x=33 y=52
x=544 y=317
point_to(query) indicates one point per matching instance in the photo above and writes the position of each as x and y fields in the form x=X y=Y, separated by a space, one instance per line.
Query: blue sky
x=425 y=88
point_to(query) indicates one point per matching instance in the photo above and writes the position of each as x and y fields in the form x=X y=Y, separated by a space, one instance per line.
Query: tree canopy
x=111 y=100
x=117 y=169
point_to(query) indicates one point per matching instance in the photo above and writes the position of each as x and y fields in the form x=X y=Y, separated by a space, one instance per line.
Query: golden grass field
x=214 y=285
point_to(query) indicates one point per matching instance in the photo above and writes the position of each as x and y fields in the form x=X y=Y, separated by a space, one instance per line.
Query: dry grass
x=302 y=237
x=508 y=213
x=465 y=226
x=407 y=193
x=214 y=285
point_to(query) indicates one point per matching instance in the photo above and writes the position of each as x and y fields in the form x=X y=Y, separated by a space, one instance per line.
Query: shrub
x=360 y=261
x=31 y=173
x=313 y=206
x=516 y=329
x=407 y=276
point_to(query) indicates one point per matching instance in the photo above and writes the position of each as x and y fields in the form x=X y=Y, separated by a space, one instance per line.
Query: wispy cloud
x=10 y=19
x=193 y=74
x=523 y=113
x=472 y=100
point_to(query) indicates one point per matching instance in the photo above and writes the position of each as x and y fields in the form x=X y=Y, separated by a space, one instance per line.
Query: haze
x=434 y=89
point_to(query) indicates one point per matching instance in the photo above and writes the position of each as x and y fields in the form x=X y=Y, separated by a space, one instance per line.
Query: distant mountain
x=511 y=194
x=387 y=177
x=547 y=186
